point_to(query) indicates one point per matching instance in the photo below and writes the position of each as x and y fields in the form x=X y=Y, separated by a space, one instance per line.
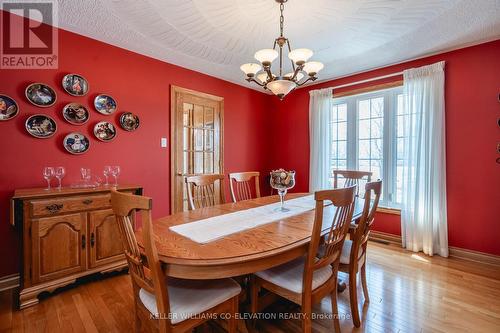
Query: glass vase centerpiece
x=282 y=180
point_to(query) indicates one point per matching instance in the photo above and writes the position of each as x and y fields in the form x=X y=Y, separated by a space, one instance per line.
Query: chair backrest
x=343 y=200
x=351 y=177
x=240 y=185
x=150 y=277
x=362 y=232
x=202 y=190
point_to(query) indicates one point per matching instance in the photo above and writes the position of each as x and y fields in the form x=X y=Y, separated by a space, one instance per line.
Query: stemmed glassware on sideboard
x=115 y=172
x=60 y=172
x=107 y=173
x=48 y=174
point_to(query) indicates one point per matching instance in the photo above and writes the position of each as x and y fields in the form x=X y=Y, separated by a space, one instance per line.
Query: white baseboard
x=9 y=282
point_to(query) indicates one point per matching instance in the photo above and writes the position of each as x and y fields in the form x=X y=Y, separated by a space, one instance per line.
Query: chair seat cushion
x=191 y=297
x=290 y=275
x=345 y=257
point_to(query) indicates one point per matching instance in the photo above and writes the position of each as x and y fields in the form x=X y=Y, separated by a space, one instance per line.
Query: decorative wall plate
x=75 y=85
x=76 y=143
x=76 y=114
x=105 y=104
x=41 y=126
x=8 y=108
x=104 y=131
x=40 y=94
x=129 y=121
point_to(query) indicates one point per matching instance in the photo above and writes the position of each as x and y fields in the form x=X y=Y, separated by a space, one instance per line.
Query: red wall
x=472 y=108
x=140 y=85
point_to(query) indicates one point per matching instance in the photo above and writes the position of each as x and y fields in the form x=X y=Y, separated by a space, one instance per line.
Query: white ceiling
x=349 y=36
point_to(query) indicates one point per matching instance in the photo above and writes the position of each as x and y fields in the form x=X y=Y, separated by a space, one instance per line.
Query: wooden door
x=104 y=239
x=59 y=246
x=197 y=140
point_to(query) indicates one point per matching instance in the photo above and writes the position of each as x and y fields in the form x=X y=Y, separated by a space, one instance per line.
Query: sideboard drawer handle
x=87 y=201
x=54 y=208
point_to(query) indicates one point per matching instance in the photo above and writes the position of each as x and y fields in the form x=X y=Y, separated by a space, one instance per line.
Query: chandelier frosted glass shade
x=300 y=56
x=313 y=67
x=266 y=56
x=281 y=87
x=262 y=77
x=250 y=69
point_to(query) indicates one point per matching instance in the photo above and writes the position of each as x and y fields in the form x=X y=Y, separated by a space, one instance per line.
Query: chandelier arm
x=310 y=78
x=290 y=50
x=251 y=79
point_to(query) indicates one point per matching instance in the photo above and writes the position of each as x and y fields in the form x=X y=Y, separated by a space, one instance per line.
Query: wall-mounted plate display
x=76 y=114
x=76 y=143
x=75 y=85
x=104 y=131
x=40 y=94
x=8 y=108
x=105 y=104
x=129 y=121
x=41 y=126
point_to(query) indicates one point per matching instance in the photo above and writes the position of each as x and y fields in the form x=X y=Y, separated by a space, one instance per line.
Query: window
x=368 y=134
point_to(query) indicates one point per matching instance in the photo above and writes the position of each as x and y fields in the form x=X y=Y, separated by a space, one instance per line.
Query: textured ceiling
x=217 y=36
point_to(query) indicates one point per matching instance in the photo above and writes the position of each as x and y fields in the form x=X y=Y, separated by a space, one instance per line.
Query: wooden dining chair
x=351 y=177
x=353 y=258
x=202 y=190
x=241 y=187
x=307 y=280
x=167 y=305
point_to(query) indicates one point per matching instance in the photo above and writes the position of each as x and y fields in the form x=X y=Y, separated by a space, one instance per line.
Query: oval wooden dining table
x=245 y=252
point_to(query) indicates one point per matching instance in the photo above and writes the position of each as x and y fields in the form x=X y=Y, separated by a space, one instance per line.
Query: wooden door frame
x=173 y=133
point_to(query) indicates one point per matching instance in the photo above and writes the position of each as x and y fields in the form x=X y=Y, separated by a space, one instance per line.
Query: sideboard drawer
x=69 y=204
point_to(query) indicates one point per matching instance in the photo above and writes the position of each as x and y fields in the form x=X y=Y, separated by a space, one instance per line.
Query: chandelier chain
x=282 y=18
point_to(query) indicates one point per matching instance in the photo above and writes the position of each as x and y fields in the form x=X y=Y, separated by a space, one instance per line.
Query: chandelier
x=281 y=84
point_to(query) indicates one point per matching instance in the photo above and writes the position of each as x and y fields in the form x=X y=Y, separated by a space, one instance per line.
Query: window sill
x=387 y=210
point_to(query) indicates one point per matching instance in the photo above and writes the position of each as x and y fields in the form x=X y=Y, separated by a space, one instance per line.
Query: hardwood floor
x=409 y=293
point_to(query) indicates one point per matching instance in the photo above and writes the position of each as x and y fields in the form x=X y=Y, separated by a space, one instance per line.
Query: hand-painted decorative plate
x=40 y=94
x=129 y=121
x=75 y=85
x=105 y=104
x=8 y=108
x=76 y=114
x=41 y=126
x=104 y=131
x=76 y=143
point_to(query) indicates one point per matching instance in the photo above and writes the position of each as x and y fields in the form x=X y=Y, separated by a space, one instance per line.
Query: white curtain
x=320 y=106
x=423 y=216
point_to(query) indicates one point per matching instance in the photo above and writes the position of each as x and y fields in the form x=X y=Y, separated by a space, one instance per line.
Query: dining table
x=241 y=253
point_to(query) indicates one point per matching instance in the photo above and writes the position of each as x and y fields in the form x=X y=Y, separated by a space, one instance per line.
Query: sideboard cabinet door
x=104 y=237
x=59 y=246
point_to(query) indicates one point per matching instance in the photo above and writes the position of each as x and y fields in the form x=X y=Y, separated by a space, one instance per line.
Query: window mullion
x=388 y=146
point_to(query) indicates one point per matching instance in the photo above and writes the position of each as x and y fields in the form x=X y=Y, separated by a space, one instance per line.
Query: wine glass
x=48 y=174
x=107 y=172
x=86 y=175
x=59 y=173
x=282 y=180
x=115 y=172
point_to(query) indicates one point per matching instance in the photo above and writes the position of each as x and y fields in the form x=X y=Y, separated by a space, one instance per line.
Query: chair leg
x=364 y=284
x=335 y=311
x=254 y=294
x=137 y=320
x=233 y=323
x=307 y=320
x=353 y=299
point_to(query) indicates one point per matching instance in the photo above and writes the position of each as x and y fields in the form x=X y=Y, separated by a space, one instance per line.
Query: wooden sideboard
x=65 y=234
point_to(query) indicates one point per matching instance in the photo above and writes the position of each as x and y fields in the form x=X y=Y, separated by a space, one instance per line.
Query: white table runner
x=213 y=228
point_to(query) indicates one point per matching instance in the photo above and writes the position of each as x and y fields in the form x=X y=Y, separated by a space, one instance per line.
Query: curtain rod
x=367 y=80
